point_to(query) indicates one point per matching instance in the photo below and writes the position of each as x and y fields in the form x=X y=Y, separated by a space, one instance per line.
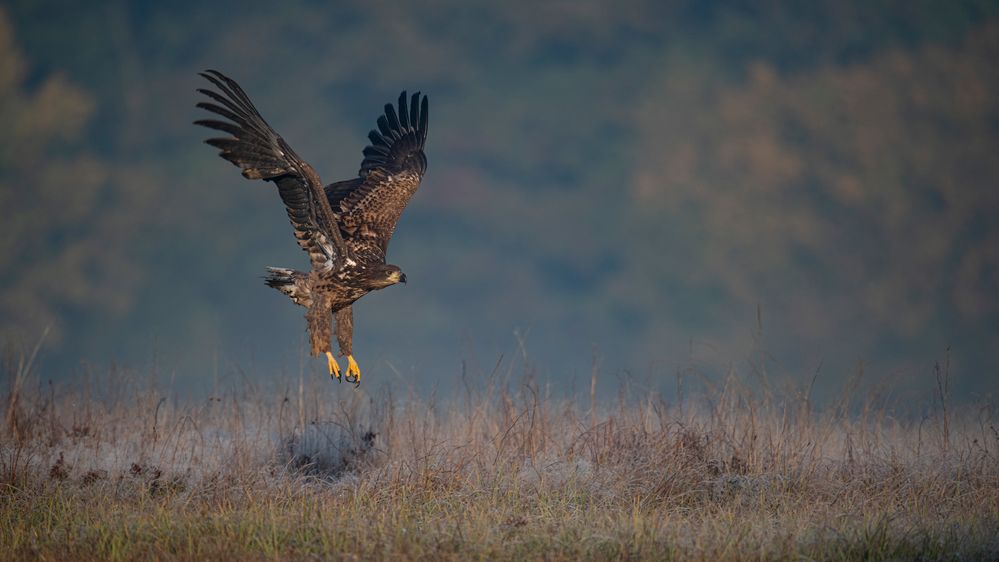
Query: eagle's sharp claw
x=353 y=371
x=334 y=367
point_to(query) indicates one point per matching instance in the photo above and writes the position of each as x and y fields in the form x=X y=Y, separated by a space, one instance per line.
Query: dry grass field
x=111 y=469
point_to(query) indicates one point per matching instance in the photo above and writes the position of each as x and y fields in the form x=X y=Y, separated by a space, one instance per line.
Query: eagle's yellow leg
x=353 y=371
x=334 y=368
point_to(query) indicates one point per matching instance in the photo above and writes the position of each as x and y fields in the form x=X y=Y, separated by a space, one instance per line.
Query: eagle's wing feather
x=370 y=205
x=262 y=154
x=338 y=191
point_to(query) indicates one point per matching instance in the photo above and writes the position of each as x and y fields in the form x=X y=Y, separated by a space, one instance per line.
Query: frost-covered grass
x=114 y=470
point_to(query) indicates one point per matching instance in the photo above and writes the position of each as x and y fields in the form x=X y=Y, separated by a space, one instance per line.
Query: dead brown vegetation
x=114 y=469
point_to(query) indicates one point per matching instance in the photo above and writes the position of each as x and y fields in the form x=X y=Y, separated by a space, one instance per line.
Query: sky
x=652 y=191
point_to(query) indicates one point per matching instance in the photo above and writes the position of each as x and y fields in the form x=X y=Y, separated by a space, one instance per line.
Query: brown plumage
x=345 y=227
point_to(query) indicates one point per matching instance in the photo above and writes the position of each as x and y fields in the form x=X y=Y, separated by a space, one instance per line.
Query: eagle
x=345 y=226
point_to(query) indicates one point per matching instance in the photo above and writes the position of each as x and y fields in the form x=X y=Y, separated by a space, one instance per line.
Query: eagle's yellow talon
x=353 y=371
x=334 y=367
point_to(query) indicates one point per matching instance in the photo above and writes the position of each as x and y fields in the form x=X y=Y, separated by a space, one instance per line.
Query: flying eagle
x=345 y=227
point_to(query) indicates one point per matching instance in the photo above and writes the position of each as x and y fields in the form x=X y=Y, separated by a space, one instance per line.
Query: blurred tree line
x=632 y=177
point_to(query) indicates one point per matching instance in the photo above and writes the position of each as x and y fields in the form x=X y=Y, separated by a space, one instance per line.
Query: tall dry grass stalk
x=19 y=366
x=110 y=467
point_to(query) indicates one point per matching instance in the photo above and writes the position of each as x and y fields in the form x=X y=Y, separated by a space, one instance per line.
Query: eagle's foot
x=353 y=371
x=334 y=367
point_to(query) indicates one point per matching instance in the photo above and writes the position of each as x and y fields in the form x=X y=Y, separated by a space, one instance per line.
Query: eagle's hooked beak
x=402 y=278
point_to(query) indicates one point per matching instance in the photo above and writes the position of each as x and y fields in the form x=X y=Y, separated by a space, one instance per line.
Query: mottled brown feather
x=369 y=207
x=345 y=329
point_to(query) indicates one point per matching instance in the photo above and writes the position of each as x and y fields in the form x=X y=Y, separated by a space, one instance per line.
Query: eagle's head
x=384 y=276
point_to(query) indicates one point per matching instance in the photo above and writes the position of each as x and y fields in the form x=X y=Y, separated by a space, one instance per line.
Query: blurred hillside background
x=635 y=181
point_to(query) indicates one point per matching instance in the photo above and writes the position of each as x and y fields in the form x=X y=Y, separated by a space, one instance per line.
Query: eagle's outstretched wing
x=369 y=206
x=262 y=154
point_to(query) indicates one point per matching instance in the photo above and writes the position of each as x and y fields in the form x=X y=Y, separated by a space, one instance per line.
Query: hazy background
x=628 y=181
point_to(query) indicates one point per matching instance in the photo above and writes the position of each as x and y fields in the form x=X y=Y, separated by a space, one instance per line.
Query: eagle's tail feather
x=293 y=283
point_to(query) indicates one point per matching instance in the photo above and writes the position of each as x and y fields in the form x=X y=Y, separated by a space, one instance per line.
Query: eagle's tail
x=293 y=283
